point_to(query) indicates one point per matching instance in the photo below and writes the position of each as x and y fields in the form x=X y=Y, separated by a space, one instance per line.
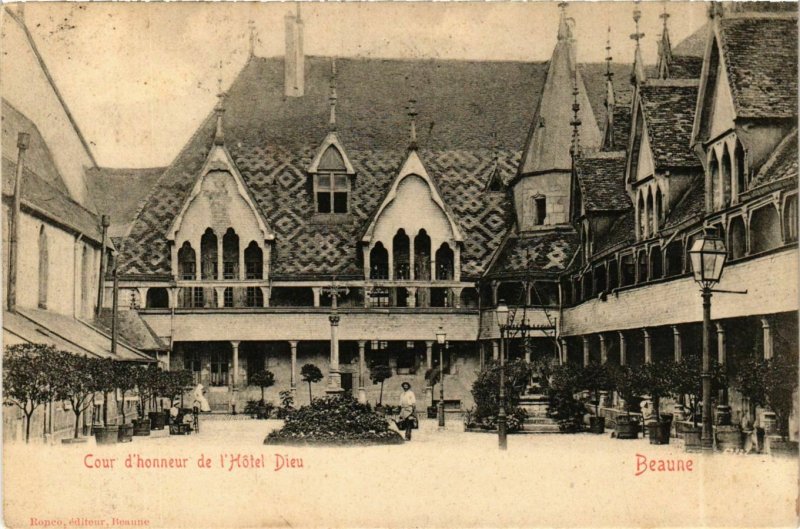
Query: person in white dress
x=408 y=408
x=200 y=399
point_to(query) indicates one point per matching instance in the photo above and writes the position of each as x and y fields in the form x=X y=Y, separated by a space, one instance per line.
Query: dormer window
x=538 y=210
x=332 y=192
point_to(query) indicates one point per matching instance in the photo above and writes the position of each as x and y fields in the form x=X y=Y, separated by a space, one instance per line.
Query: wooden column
x=293 y=377
x=235 y=355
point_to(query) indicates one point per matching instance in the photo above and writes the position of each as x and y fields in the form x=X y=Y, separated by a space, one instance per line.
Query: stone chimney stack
x=294 y=63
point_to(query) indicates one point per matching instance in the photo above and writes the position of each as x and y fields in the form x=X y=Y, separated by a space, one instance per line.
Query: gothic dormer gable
x=716 y=112
x=331 y=157
x=219 y=200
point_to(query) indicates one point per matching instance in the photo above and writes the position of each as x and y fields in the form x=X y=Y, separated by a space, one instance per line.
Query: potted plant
x=596 y=378
x=102 y=372
x=159 y=382
x=263 y=379
x=781 y=383
x=629 y=386
x=378 y=374
x=145 y=378
x=310 y=374
x=751 y=382
x=173 y=385
x=124 y=381
x=686 y=382
x=656 y=380
x=27 y=371
x=564 y=384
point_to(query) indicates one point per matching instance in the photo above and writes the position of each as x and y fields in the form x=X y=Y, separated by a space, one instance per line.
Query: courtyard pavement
x=440 y=479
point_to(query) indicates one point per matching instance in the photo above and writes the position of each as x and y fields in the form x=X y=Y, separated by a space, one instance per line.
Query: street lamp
x=708 y=258
x=501 y=313
x=441 y=337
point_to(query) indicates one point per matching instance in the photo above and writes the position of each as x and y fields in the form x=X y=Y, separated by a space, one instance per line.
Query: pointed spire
x=219 y=135
x=253 y=37
x=664 y=47
x=575 y=150
x=637 y=75
x=610 y=102
x=412 y=113
x=564 y=31
x=333 y=97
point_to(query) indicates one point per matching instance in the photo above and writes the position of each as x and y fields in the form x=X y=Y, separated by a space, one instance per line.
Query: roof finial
x=412 y=113
x=332 y=121
x=253 y=37
x=638 y=74
x=564 y=32
x=576 y=122
x=664 y=47
x=219 y=136
x=608 y=134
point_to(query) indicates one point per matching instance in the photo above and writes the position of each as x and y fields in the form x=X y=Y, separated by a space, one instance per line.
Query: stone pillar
x=722 y=353
x=623 y=353
x=293 y=376
x=603 y=349
x=456 y=293
x=429 y=354
x=411 y=272
x=676 y=343
x=495 y=286
x=648 y=347
x=412 y=296
x=481 y=355
x=564 y=350
x=219 y=256
x=335 y=377
x=235 y=356
x=172 y=293
x=768 y=338
x=367 y=271
x=586 y=350
x=362 y=392
x=316 y=292
x=220 y=291
x=495 y=350
x=242 y=271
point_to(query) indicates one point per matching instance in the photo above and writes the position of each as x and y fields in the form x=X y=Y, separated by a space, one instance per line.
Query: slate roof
x=694 y=45
x=119 y=193
x=601 y=177
x=622 y=232
x=761 y=62
x=669 y=108
x=622 y=125
x=781 y=165
x=273 y=139
x=132 y=328
x=685 y=67
x=691 y=206
x=43 y=188
x=548 y=252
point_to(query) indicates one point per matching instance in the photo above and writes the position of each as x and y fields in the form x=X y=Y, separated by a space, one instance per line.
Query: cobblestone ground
x=440 y=479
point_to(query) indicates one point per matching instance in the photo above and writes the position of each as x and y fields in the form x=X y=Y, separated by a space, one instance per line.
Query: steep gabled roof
x=760 y=57
x=601 y=177
x=691 y=206
x=669 y=108
x=538 y=253
x=621 y=233
x=119 y=193
x=781 y=165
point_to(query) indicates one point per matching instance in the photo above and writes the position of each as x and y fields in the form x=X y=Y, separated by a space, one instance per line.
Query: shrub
x=287 y=403
x=338 y=419
x=263 y=379
x=656 y=381
x=486 y=392
x=781 y=381
x=566 y=381
x=630 y=386
x=596 y=378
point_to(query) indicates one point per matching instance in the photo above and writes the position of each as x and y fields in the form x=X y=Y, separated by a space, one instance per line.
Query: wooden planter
x=157 y=420
x=125 y=433
x=659 y=432
x=141 y=427
x=597 y=424
x=691 y=438
x=627 y=427
x=106 y=435
x=728 y=438
x=781 y=447
x=179 y=429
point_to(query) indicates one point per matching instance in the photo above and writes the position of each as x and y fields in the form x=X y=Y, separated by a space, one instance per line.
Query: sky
x=140 y=77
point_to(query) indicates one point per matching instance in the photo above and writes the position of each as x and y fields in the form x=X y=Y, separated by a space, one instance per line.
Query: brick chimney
x=294 y=63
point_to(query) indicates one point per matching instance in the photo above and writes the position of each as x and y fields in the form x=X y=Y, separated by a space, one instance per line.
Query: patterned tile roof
x=273 y=139
x=669 y=108
x=761 y=63
x=781 y=165
x=548 y=253
x=601 y=177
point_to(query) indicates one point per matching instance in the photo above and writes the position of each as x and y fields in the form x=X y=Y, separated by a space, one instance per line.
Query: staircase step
x=541 y=428
x=539 y=420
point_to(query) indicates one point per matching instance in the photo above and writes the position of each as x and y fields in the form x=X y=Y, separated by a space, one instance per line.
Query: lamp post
x=502 y=322
x=441 y=337
x=708 y=258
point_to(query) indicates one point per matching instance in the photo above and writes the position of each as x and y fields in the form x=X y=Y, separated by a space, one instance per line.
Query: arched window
x=790 y=219
x=658 y=212
x=656 y=263
x=587 y=284
x=230 y=255
x=400 y=253
x=765 y=229
x=737 y=238
x=538 y=209
x=713 y=183
x=253 y=261
x=641 y=272
x=187 y=262
x=628 y=269
x=44 y=265
x=444 y=263
x=255 y=297
x=741 y=175
x=378 y=262
x=157 y=298
x=613 y=275
x=422 y=256
x=600 y=275
x=725 y=177
x=641 y=215
x=208 y=255
x=674 y=258
x=649 y=214
x=86 y=281
x=469 y=298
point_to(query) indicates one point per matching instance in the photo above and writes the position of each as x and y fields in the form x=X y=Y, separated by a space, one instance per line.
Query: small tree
x=379 y=373
x=686 y=381
x=73 y=381
x=263 y=379
x=656 y=381
x=27 y=378
x=433 y=376
x=629 y=384
x=147 y=381
x=781 y=382
x=124 y=381
x=596 y=378
x=102 y=373
x=174 y=383
x=751 y=382
x=311 y=374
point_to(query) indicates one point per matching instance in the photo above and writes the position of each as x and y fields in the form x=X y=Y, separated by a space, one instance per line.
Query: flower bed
x=337 y=420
